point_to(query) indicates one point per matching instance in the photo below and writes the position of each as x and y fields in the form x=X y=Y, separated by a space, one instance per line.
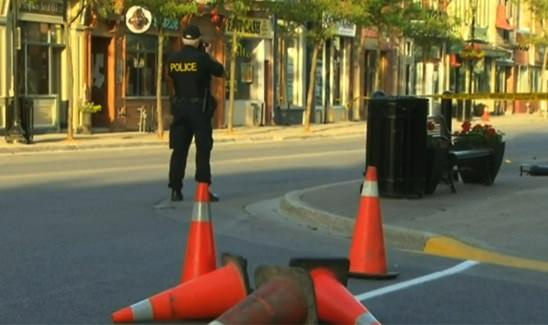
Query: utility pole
x=15 y=132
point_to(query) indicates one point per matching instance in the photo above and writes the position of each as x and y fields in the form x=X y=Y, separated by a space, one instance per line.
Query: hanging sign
x=52 y=7
x=138 y=19
x=250 y=27
x=345 y=28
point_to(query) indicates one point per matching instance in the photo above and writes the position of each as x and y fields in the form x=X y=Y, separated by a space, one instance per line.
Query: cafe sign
x=250 y=27
x=138 y=19
x=51 y=7
x=345 y=28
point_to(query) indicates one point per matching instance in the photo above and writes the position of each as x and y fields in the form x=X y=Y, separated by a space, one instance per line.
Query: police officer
x=192 y=107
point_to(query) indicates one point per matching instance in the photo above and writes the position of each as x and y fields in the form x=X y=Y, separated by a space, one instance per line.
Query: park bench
x=456 y=159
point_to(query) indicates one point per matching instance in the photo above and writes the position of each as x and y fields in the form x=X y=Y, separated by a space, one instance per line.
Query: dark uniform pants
x=189 y=121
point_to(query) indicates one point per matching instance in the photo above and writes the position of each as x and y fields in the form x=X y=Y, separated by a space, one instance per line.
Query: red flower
x=466 y=126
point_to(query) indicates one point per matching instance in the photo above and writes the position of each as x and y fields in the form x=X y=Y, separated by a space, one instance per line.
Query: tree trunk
x=232 y=86
x=543 y=86
x=311 y=87
x=70 y=83
x=358 y=72
x=377 y=81
x=159 y=70
x=282 y=73
x=424 y=70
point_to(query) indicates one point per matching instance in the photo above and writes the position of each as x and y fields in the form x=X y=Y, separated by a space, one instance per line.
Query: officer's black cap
x=191 y=32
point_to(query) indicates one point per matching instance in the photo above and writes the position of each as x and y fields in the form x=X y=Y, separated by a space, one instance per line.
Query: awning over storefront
x=495 y=51
x=505 y=62
x=502 y=19
x=486 y=50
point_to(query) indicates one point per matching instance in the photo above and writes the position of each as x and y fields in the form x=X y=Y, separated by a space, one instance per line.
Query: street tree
x=236 y=11
x=163 y=11
x=389 y=18
x=539 y=39
x=432 y=29
x=319 y=18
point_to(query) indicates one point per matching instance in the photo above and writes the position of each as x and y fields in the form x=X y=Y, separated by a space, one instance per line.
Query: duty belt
x=192 y=100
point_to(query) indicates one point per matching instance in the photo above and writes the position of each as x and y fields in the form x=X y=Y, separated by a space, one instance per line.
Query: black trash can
x=15 y=131
x=396 y=144
x=26 y=109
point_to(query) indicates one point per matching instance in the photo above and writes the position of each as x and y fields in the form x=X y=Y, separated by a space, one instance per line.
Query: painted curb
x=292 y=206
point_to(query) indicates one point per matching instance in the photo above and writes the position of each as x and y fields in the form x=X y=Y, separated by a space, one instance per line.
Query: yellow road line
x=448 y=247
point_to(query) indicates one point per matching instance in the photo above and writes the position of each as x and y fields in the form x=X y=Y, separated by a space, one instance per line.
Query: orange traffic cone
x=485 y=115
x=200 y=255
x=205 y=297
x=283 y=296
x=367 y=253
x=336 y=305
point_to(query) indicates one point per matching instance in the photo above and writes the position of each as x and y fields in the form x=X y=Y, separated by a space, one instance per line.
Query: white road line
x=420 y=280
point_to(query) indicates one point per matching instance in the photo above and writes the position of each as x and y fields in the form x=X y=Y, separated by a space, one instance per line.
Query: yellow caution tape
x=496 y=96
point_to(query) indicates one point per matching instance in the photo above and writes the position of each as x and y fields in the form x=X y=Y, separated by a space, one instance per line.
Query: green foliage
x=390 y=17
x=318 y=15
x=432 y=26
x=90 y=107
x=171 y=9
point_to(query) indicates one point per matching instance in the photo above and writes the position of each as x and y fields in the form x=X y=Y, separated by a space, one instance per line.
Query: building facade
x=105 y=61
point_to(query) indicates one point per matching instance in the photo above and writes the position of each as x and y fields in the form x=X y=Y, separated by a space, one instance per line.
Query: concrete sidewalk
x=58 y=142
x=503 y=224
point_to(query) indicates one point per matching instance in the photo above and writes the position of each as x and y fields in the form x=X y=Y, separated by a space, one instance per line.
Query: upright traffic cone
x=336 y=305
x=367 y=253
x=200 y=257
x=204 y=297
x=283 y=296
x=485 y=115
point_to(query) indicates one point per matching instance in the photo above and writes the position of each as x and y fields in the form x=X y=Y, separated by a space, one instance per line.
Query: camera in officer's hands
x=203 y=46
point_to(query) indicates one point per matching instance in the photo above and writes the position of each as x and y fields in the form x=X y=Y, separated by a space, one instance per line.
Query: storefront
x=38 y=63
x=253 y=91
x=121 y=70
x=333 y=76
x=4 y=53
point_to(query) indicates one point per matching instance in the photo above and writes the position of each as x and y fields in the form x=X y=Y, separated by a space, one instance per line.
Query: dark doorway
x=100 y=78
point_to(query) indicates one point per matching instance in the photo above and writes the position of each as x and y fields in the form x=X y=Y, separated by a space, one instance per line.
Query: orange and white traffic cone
x=367 y=253
x=335 y=303
x=283 y=296
x=200 y=257
x=205 y=297
x=485 y=115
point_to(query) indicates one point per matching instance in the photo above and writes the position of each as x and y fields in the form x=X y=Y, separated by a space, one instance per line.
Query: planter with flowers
x=86 y=109
x=480 y=137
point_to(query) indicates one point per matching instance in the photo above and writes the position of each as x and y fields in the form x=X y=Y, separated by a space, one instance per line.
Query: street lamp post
x=467 y=112
x=15 y=132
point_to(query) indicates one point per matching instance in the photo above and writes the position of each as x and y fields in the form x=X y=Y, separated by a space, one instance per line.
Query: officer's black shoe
x=176 y=195
x=213 y=197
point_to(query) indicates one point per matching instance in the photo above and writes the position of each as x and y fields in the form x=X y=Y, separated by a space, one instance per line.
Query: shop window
x=141 y=63
x=39 y=59
x=246 y=76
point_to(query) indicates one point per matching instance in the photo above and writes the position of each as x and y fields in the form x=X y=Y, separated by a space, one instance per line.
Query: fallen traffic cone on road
x=205 y=297
x=200 y=257
x=335 y=303
x=367 y=253
x=283 y=296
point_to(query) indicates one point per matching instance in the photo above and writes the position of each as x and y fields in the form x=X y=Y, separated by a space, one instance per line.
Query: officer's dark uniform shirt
x=191 y=70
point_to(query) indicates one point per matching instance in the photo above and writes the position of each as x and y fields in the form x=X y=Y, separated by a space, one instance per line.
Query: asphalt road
x=85 y=233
